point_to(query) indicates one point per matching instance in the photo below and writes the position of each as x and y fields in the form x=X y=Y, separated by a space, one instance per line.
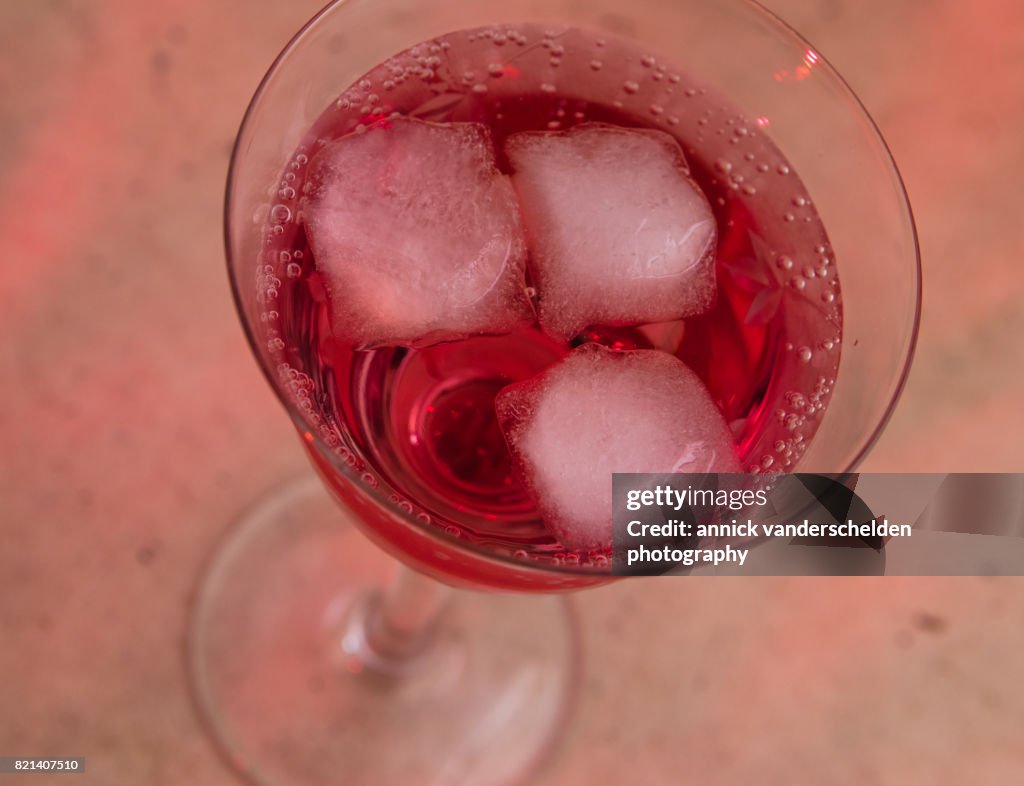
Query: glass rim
x=378 y=495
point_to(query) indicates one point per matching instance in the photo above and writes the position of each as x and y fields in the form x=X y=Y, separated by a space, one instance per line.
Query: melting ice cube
x=417 y=234
x=618 y=232
x=600 y=411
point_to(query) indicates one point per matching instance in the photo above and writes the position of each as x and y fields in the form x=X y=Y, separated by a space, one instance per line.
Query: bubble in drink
x=618 y=232
x=600 y=411
x=417 y=234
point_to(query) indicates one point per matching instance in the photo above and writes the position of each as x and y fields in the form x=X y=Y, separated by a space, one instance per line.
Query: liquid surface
x=420 y=424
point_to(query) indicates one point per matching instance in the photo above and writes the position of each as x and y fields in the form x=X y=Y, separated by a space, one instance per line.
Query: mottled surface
x=136 y=425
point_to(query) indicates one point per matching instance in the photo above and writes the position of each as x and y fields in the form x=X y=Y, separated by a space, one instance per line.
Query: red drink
x=419 y=424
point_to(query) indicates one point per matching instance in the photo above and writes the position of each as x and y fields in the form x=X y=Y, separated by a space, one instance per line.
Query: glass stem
x=391 y=628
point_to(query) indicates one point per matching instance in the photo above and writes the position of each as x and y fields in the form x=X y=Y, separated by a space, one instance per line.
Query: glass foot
x=283 y=678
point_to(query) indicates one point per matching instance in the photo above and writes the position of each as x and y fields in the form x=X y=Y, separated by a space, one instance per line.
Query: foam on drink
x=600 y=411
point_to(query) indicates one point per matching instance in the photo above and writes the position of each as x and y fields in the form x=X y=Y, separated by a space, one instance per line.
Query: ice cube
x=417 y=234
x=600 y=411
x=618 y=232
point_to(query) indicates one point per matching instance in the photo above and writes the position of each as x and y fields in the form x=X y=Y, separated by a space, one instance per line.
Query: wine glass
x=318 y=658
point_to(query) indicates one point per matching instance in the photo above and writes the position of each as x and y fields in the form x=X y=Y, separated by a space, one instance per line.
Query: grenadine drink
x=415 y=416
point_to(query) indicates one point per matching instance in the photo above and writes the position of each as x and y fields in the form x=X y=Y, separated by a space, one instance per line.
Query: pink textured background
x=135 y=425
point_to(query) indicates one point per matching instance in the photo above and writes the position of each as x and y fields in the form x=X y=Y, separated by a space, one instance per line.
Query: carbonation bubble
x=293 y=270
x=805 y=354
x=630 y=87
x=280 y=214
x=547 y=87
x=596 y=65
x=648 y=62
